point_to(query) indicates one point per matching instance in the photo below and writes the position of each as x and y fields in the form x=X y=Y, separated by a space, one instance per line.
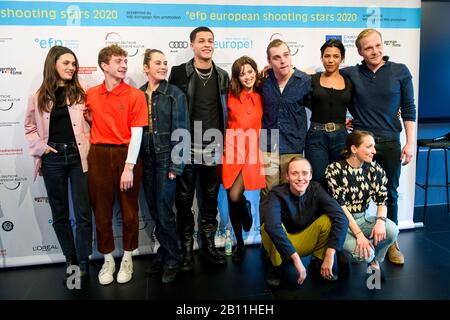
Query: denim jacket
x=169 y=112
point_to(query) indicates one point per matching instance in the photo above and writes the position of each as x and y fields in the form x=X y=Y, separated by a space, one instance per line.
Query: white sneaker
x=126 y=271
x=106 y=274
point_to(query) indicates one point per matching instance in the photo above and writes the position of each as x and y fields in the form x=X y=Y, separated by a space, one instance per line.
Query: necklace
x=204 y=77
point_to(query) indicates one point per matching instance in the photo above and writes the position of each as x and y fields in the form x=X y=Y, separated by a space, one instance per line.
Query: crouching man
x=302 y=219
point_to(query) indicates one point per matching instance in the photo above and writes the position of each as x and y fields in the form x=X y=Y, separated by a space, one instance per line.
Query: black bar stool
x=431 y=144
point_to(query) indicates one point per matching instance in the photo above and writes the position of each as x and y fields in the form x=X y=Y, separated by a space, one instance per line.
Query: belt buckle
x=330 y=125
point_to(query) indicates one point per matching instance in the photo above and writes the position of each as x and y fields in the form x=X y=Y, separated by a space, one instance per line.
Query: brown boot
x=395 y=255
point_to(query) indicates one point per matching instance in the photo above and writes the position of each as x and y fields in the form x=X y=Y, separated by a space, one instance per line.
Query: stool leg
x=426 y=186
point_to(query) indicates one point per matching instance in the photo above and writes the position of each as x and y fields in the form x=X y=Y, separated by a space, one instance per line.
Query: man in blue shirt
x=382 y=89
x=284 y=117
x=301 y=218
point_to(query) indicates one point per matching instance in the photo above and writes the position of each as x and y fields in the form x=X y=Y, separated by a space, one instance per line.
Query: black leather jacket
x=182 y=77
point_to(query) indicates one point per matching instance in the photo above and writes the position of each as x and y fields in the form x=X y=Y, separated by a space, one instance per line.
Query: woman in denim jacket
x=167 y=112
x=58 y=137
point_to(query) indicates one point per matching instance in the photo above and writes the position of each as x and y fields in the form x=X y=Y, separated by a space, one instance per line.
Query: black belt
x=110 y=145
x=328 y=127
x=61 y=146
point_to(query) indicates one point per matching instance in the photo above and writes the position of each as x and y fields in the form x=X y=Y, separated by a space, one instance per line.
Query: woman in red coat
x=242 y=167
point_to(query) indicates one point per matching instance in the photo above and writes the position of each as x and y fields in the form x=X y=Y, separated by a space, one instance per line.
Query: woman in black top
x=329 y=99
x=58 y=137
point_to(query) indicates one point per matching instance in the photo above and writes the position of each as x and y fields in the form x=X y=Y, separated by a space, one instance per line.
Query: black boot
x=155 y=267
x=210 y=252
x=169 y=275
x=246 y=212
x=84 y=271
x=187 y=249
x=70 y=261
x=236 y=221
x=238 y=254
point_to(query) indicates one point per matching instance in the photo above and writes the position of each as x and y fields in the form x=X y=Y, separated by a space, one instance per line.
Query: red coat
x=242 y=151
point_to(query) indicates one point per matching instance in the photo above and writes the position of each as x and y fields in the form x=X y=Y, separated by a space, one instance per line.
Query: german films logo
x=10 y=71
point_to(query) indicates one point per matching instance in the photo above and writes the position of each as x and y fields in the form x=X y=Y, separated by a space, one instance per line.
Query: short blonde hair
x=298 y=158
x=365 y=33
x=275 y=44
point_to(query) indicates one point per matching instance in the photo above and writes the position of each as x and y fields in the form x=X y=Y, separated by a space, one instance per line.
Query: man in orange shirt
x=119 y=112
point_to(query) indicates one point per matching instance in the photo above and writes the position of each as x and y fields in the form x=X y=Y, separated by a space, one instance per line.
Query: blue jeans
x=58 y=169
x=388 y=157
x=366 y=224
x=323 y=148
x=160 y=195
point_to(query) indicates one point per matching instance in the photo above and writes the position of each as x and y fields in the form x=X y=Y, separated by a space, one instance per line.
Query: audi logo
x=178 y=44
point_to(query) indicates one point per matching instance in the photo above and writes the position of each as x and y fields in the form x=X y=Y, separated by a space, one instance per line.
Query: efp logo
x=7 y=226
x=131 y=46
x=46 y=43
x=294 y=46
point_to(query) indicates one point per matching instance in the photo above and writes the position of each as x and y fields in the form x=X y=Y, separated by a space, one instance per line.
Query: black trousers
x=209 y=189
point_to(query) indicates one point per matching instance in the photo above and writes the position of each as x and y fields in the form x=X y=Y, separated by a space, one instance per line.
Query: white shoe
x=126 y=271
x=106 y=274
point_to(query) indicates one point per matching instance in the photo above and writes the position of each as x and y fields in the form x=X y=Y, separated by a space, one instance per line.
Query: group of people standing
x=127 y=137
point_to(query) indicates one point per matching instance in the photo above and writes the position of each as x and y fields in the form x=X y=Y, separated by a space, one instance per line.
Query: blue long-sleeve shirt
x=378 y=96
x=295 y=213
x=286 y=112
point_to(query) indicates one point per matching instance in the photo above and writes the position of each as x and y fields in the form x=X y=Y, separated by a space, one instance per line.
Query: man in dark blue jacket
x=382 y=90
x=205 y=86
x=301 y=218
x=284 y=117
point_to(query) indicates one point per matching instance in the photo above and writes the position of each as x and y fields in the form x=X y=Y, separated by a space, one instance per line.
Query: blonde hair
x=148 y=55
x=365 y=33
x=275 y=44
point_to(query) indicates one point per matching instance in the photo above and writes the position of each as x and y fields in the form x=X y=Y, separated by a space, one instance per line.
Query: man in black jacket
x=301 y=218
x=205 y=86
